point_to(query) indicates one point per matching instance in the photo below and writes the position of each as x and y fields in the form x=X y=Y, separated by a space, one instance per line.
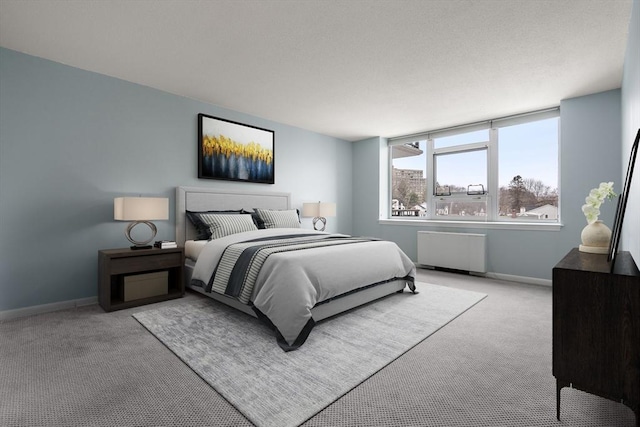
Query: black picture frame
x=233 y=151
x=622 y=205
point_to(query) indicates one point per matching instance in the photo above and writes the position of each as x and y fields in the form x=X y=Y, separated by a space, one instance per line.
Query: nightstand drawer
x=137 y=264
x=145 y=285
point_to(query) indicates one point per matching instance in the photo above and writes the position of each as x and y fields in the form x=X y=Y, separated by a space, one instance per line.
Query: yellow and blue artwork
x=234 y=151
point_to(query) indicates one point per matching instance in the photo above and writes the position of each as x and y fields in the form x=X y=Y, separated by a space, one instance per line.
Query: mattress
x=192 y=248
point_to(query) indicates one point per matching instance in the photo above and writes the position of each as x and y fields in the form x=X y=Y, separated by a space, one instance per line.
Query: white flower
x=591 y=208
x=591 y=213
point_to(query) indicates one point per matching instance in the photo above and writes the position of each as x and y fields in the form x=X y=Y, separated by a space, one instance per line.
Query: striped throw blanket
x=240 y=264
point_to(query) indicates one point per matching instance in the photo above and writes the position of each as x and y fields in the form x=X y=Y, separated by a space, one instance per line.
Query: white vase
x=595 y=238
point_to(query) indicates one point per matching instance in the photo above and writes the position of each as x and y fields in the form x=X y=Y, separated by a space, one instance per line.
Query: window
x=502 y=170
x=528 y=171
x=408 y=180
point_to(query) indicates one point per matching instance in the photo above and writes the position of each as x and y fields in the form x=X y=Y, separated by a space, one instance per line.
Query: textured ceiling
x=351 y=69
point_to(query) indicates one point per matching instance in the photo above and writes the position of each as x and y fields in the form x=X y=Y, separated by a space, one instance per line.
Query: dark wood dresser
x=596 y=327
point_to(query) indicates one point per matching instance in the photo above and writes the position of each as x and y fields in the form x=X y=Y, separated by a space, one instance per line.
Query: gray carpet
x=239 y=357
x=490 y=366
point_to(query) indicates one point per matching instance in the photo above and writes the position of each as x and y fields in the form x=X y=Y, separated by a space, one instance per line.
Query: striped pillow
x=279 y=219
x=221 y=225
x=202 y=228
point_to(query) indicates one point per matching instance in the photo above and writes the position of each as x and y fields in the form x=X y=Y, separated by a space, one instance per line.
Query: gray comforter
x=291 y=281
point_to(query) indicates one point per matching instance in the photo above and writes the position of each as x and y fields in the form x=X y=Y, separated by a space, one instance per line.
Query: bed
x=303 y=276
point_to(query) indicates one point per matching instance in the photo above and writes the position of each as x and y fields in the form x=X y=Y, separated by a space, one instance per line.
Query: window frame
x=432 y=198
x=492 y=194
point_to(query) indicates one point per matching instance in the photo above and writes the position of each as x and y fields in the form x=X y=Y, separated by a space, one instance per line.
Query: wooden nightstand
x=129 y=278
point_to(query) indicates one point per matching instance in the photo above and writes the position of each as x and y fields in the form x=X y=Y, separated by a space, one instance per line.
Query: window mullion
x=389 y=209
x=431 y=181
x=493 y=174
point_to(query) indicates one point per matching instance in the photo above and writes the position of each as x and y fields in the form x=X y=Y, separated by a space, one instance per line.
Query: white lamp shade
x=327 y=209
x=140 y=208
x=318 y=209
x=310 y=210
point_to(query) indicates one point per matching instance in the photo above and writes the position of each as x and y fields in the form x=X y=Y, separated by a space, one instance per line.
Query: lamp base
x=319 y=219
x=141 y=244
x=136 y=247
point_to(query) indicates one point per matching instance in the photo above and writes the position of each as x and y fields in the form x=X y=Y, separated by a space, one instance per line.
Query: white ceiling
x=348 y=68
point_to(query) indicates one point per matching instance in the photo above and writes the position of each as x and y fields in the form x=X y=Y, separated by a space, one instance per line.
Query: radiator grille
x=458 y=251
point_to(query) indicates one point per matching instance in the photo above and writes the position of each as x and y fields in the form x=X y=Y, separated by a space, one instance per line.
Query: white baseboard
x=63 y=305
x=501 y=276
x=46 y=308
x=520 y=279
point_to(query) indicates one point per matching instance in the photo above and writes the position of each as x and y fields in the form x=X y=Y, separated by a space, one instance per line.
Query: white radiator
x=458 y=251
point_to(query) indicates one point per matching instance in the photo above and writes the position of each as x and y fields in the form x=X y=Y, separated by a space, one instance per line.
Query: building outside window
x=409 y=185
x=503 y=170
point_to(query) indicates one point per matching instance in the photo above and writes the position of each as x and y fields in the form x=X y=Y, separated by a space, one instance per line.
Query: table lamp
x=141 y=210
x=319 y=211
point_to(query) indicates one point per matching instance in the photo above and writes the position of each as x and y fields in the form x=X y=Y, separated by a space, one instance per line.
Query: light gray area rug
x=239 y=357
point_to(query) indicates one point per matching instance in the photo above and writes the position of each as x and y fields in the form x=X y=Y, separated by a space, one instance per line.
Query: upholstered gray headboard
x=211 y=199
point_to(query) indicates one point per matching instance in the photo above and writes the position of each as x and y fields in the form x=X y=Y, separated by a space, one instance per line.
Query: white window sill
x=488 y=225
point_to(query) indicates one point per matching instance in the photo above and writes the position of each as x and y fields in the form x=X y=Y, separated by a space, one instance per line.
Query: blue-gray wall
x=589 y=154
x=72 y=140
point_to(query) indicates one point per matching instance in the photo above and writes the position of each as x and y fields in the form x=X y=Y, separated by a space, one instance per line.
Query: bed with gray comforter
x=283 y=273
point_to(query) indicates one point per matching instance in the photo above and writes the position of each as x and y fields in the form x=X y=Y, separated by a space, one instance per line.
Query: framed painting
x=234 y=151
x=622 y=204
